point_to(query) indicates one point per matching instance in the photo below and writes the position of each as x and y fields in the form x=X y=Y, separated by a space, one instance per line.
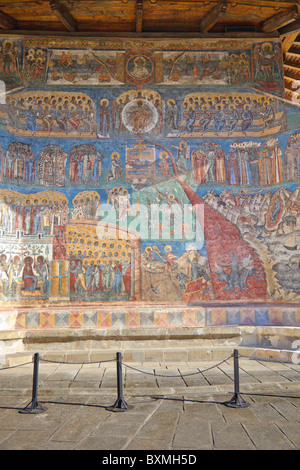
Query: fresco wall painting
x=147 y=171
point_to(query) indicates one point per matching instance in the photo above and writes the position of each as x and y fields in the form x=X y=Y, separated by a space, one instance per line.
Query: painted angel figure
x=267 y=63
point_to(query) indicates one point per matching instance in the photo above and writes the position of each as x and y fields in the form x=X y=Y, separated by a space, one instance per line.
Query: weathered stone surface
x=184 y=416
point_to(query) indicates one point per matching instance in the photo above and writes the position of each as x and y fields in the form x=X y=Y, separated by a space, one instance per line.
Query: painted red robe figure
x=164 y=165
x=277 y=167
x=28 y=275
x=170 y=258
x=127 y=280
x=75 y=121
x=198 y=164
x=19 y=215
x=72 y=275
x=220 y=166
x=73 y=169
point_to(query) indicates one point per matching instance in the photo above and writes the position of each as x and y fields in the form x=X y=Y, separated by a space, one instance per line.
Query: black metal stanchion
x=236 y=401
x=34 y=406
x=120 y=404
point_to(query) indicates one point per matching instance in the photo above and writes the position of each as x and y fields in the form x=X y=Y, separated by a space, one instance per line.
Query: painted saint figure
x=198 y=164
x=28 y=276
x=115 y=168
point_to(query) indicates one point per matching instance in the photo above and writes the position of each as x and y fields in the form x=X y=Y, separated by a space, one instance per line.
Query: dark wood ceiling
x=147 y=15
x=107 y=17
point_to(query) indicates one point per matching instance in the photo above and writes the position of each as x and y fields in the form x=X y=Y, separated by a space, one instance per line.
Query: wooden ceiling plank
x=211 y=18
x=279 y=20
x=63 y=15
x=7 y=22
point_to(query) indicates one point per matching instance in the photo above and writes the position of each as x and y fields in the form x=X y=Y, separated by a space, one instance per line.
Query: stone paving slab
x=174 y=412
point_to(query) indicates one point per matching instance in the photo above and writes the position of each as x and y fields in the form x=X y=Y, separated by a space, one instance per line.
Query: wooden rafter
x=63 y=15
x=213 y=16
x=7 y=22
x=279 y=20
x=292 y=28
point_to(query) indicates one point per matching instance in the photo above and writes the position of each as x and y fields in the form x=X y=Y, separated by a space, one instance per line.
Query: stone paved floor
x=176 y=406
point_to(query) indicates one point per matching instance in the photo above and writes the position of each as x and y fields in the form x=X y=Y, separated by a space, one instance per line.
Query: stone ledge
x=171 y=355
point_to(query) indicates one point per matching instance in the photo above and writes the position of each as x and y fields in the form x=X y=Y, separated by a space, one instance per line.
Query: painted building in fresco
x=153 y=171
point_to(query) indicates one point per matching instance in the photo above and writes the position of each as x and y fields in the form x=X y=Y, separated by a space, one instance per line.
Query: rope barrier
x=76 y=363
x=125 y=365
x=181 y=375
x=17 y=365
x=120 y=404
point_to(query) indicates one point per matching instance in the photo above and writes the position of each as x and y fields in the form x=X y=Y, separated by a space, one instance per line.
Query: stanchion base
x=34 y=407
x=120 y=405
x=236 y=402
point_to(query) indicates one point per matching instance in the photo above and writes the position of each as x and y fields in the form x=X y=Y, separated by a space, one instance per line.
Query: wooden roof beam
x=291 y=28
x=279 y=20
x=7 y=22
x=211 y=18
x=63 y=15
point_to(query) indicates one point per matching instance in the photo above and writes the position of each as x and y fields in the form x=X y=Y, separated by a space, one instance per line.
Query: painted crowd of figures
x=24 y=275
x=247 y=163
x=32 y=215
x=99 y=277
x=59 y=112
x=255 y=164
x=143 y=133
x=198 y=113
